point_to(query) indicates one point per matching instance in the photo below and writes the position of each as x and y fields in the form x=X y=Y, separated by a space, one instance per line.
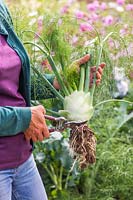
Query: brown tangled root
x=83 y=145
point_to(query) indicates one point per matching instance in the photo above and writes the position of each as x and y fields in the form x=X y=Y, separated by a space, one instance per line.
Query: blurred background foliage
x=111 y=178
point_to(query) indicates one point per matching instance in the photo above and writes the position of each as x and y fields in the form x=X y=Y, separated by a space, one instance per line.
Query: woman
x=19 y=177
x=20 y=124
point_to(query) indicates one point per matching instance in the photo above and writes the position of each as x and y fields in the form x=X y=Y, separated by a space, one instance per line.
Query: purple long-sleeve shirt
x=14 y=150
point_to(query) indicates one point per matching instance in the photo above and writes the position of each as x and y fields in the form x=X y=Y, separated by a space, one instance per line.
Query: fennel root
x=83 y=145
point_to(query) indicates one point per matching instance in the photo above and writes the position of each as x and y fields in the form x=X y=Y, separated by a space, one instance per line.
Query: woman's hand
x=79 y=63
x=99 y=73
x=56 y=84
x=38 y=129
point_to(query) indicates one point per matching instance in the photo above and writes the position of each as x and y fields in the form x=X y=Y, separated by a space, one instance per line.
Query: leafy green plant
x=54 y=157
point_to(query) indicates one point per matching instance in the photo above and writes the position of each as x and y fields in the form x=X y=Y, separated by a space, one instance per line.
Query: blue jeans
x=22 y=183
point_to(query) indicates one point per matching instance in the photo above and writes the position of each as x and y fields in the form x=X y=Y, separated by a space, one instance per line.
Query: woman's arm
x=14 y=120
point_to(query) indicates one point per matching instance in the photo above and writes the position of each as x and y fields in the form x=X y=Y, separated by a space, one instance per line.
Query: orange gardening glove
x=38 y=129
x=98 y=74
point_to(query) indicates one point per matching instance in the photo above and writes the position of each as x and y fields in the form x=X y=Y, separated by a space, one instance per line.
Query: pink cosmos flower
x=120 y=2
x=65 y=9
x=85 y=27
x=103 y=6
x=129 y=7
x=94 y=17
x=108 y=20
x=93 y=6
x=79 y=14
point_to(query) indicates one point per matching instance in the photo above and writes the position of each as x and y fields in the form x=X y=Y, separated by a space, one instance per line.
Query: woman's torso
x=14 y=150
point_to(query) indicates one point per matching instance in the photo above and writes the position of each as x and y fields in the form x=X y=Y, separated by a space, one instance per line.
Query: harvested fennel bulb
x=77 y=106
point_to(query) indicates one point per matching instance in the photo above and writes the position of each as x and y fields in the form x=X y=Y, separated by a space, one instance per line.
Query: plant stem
x=87 y=77
x=54 y=176
x=68 y=175
x=49 y=84
x=112 y=100
x=53 y=112
x=54 y=68
x=97 y=64
x=50 y=174
x=82 y=78
x=35 y=103
x=30 y=31
x=62 y=85
x=60 y=177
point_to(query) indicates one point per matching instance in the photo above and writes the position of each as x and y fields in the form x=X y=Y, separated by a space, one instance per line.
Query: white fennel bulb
x=77 y=106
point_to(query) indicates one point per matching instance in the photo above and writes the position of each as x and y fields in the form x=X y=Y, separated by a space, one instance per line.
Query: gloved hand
x=77 y=63
x=38 y=129
x=98 y=74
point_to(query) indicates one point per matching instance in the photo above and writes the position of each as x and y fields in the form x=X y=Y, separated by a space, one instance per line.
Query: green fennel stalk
x=82 y=78
x=101 y=45
x=54 y=68
x=87 y=77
